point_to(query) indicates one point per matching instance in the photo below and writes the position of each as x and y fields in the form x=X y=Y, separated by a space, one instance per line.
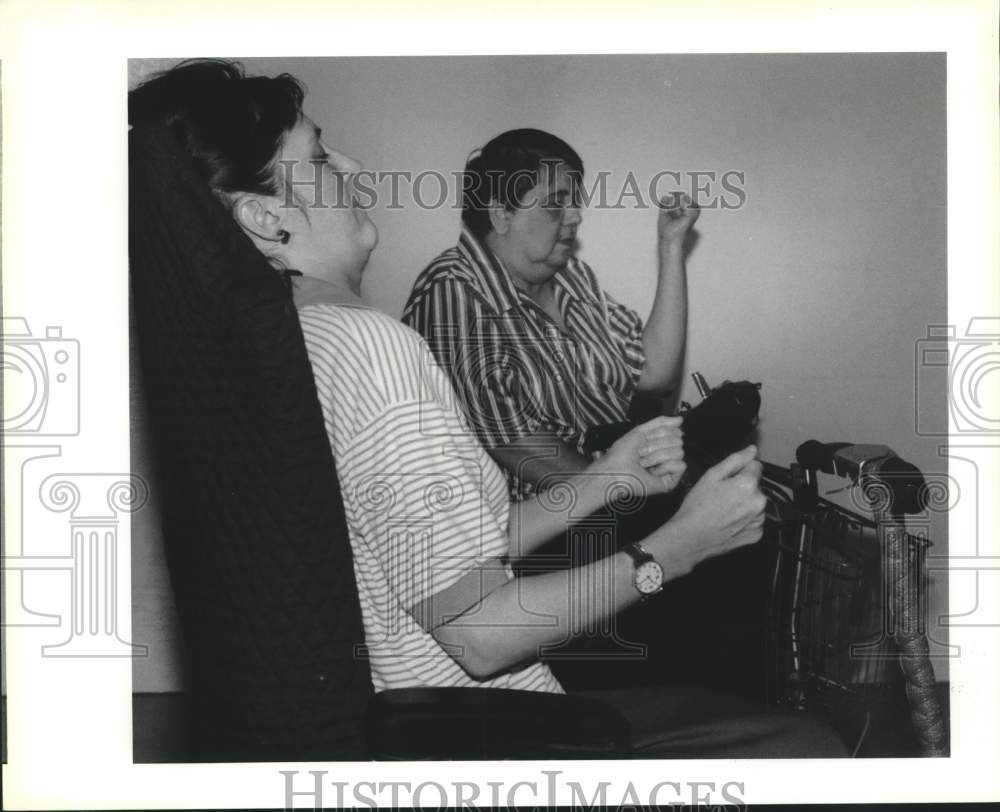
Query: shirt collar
x=494 y=280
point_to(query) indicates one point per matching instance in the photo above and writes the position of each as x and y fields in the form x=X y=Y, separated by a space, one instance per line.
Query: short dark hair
x=506 y=169
x=232 y=125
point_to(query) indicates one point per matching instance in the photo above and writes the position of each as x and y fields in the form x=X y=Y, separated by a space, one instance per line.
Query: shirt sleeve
x=626 y=329
x=496 y=392
x=624 y=324
x=422 y=491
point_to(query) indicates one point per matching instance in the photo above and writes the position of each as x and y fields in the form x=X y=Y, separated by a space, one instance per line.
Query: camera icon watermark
x=970 y=365
x=41 y=381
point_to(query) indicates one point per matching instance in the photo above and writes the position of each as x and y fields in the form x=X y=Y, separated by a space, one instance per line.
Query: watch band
x=638 y=553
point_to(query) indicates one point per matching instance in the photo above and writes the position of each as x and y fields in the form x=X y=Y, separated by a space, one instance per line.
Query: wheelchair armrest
x=441 y=724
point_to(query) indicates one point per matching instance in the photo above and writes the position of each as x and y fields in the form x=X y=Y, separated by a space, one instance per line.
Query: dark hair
x=231 y=124
x=506 y=169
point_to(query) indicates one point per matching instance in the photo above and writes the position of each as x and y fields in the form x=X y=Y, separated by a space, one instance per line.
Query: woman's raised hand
x=678 y=213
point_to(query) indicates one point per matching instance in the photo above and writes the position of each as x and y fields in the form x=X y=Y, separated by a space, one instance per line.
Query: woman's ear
x=257 y=217
x=499 y=217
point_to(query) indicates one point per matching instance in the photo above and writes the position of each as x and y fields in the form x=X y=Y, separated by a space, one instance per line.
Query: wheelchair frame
x=847 y=628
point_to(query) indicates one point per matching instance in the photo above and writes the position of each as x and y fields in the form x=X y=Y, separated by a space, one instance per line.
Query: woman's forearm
x=513 y=624
x=515 y=621
x=534 y=459
x=645 y=461
x=665 y=334
x=546 y=515
x=538 y=456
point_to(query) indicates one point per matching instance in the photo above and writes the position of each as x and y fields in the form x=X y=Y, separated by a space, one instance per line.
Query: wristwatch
x=648 y=575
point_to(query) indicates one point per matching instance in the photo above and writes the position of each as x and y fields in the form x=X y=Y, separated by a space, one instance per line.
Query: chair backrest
x=253 y=521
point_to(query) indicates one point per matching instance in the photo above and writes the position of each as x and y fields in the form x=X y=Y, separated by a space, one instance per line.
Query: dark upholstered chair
x=256 y=541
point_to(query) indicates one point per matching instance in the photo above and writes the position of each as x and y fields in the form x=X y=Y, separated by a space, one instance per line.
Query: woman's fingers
x=662 y=453
x=659 y=432
x=660 y=435
x=670 y=468
x=663 y=420
x=658 y=426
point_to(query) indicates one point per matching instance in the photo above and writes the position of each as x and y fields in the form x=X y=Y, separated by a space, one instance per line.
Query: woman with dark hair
x=252 y=144
x=430 y=525
x=513 y=288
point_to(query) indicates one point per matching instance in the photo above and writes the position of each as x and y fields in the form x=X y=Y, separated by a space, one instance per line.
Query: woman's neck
x=307 y=290
x=538 y=291
x=541 y=293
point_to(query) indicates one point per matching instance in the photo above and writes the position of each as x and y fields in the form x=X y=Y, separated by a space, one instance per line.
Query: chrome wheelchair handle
x=883 y=475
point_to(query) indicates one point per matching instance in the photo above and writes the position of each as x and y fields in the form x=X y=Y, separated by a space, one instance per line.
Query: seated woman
x=430 y=525
x=537 y=350
x=539 y=353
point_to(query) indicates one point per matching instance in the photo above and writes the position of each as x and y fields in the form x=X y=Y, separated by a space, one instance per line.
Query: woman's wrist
x=671 y=253
x=592 y=486
x=670 y=545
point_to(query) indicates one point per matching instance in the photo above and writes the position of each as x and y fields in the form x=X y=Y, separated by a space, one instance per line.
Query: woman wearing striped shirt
x=537 y=350
x=430 y=525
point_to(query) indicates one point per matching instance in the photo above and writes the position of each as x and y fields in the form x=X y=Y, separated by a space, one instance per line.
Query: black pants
x=689 y=722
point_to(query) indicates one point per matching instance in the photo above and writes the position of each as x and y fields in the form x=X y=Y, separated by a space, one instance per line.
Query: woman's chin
x=368 y=236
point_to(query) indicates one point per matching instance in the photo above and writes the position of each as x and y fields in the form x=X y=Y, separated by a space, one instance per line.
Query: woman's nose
x=573 y=215
x=343 y=163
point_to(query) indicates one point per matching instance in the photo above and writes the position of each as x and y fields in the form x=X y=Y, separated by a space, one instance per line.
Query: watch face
x=648 y=577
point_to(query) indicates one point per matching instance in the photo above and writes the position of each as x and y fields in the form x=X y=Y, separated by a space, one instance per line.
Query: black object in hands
x=721 y=424
x=714 y=429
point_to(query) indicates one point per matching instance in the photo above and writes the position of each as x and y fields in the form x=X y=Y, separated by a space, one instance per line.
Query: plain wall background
x=819 y=286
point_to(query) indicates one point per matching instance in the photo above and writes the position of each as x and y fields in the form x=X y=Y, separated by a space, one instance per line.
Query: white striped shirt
x=424 y=502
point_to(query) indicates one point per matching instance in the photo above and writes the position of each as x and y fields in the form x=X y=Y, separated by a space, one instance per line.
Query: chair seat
x=474 y=723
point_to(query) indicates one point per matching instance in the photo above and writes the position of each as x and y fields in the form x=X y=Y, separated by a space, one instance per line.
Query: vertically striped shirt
x=424 y=502
x=517 y=372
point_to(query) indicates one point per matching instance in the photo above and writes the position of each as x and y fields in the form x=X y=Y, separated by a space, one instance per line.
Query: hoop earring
x=284 y=236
